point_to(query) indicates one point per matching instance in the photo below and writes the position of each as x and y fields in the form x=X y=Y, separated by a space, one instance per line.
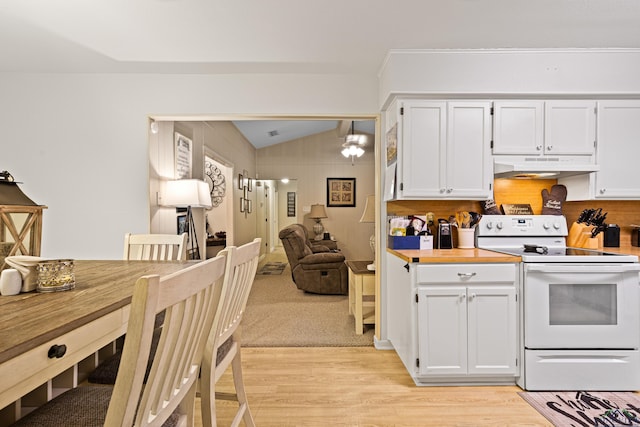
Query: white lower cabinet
x=467 y=330
x=455 y=323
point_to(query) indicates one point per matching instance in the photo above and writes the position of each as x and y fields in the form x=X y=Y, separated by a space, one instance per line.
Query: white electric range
x=579 y=308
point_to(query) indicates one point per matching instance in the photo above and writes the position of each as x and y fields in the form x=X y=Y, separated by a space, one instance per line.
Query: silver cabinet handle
x=538 y=147
x=550 y=147
x=442 y=190
x=472 y=296
x=603 y=190
x=449 y=190
x=466 y=275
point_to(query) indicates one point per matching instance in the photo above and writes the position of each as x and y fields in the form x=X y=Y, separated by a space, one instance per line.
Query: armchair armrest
x=319 y=248
x=322 y=258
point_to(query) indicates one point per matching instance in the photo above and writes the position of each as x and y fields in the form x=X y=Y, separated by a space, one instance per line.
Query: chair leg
x=236 y=367
x=207 y=390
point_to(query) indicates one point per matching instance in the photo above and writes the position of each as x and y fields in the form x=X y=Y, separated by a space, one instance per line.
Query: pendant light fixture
x=353 y=145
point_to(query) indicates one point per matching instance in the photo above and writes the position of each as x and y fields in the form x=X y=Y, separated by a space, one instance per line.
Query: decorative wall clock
x=216 y=181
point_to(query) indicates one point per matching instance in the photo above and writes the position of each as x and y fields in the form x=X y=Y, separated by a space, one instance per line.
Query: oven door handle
x=595 y=267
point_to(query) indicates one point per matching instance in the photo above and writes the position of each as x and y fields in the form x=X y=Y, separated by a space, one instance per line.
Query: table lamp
x=317 y=213
x=188 y=193
x=369 y=215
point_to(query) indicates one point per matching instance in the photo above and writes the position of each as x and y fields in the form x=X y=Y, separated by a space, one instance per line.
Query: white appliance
x=579 y=309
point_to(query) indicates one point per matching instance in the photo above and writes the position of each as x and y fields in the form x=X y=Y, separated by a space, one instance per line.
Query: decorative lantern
x=20 y=221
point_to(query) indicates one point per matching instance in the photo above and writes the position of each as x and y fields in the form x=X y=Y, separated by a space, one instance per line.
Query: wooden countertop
x=479 y=255
x=452 y=256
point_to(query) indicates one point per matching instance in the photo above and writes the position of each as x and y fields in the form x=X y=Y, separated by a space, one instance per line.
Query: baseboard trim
x=382 y=344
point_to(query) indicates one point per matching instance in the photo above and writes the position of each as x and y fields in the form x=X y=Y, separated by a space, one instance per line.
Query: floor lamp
x=369 y=215
x=188 y=193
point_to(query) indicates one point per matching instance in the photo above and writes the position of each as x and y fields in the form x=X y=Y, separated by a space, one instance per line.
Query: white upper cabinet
x=617 y=155
x=444 y=150
x=518 y=127
x=618 y=149
x=570 y=127
x=538 y=128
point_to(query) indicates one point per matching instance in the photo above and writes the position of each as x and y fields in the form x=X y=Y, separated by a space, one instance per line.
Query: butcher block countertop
x=452 y=256
x=478 y=255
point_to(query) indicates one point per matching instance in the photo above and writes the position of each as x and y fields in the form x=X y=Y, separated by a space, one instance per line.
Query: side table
x=362 y=293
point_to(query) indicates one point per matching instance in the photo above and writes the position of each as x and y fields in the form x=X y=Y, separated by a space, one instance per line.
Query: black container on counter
x=611 y=236
x=635 y=237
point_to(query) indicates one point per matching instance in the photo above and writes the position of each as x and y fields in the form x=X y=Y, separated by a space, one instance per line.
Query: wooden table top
x=360 y=267
x=31 y=319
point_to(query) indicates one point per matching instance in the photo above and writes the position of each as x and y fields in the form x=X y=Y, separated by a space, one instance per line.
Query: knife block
x=580 y=237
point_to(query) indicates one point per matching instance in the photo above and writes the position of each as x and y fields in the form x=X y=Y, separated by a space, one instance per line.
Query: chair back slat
x=191 y=298
x=155 y=247
x=241 y=270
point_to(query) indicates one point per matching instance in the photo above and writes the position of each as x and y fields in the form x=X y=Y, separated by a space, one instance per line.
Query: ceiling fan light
x=345 y=152
x=356 y=139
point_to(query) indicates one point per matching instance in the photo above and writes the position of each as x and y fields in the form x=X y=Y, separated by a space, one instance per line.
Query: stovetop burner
x=538 y=253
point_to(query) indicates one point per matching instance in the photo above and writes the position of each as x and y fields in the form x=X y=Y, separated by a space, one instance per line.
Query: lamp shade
x=369 y=214
x=317 y=211
x=182 y=193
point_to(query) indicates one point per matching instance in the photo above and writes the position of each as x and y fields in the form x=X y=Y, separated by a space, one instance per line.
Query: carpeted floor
x=280 y=315
x=271 y=268
x=582 y=408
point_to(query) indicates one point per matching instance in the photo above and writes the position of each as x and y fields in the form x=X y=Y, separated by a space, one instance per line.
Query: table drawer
x=23 y=373
x=465 y=273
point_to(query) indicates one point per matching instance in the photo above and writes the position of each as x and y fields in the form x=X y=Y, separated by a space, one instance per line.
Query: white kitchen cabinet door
x=445 y=151
x=518 y=127
x=618 y=150
x=422 y=149
x=492 y=335
x=469 y=172
x=570 y=127
x=442 y=330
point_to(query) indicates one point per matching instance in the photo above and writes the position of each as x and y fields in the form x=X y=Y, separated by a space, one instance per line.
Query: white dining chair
x=223 y=346
x=191 y=298
x=142 y=247
x=155 y=247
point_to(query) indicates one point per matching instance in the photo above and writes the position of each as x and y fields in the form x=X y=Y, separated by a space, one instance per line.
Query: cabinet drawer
x=466 y=273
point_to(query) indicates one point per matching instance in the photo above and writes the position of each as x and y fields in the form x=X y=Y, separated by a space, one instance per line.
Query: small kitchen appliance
x=579 y=317
x=445 y=240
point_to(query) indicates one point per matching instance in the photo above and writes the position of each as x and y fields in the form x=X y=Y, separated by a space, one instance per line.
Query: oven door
x=581 y=306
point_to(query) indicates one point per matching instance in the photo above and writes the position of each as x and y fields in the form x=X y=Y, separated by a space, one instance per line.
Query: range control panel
x=522 y=225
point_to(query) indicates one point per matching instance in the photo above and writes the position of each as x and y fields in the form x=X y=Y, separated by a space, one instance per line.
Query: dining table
x=44 y=335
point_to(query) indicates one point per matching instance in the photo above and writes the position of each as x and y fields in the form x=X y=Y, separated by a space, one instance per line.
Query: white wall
x=510 y=72
x=310 y=161
x=79 y=142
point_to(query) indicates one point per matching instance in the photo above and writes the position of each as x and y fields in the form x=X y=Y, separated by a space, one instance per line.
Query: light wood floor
x=362 y=386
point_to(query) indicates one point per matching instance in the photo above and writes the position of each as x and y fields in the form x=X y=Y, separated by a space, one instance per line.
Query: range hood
x=541 y=167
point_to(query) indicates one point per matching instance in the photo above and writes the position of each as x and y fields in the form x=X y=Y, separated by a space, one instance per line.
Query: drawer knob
x=466 y=275
x=57 y=351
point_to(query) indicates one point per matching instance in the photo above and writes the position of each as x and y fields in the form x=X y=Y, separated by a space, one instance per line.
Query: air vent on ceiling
x=273 y=133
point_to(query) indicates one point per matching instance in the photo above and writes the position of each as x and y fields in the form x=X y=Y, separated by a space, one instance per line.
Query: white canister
x=10 y=282
x=466 y=238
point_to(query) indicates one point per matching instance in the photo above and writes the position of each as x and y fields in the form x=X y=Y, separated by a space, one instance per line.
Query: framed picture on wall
x=182 y=224
x=291 y=203
x=341 y=192
x=182 y=156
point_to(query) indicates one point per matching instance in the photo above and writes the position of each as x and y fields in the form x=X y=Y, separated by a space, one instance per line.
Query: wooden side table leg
x=358 y=304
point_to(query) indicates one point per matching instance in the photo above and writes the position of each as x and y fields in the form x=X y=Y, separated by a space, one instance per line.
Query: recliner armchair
x=314 y=268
